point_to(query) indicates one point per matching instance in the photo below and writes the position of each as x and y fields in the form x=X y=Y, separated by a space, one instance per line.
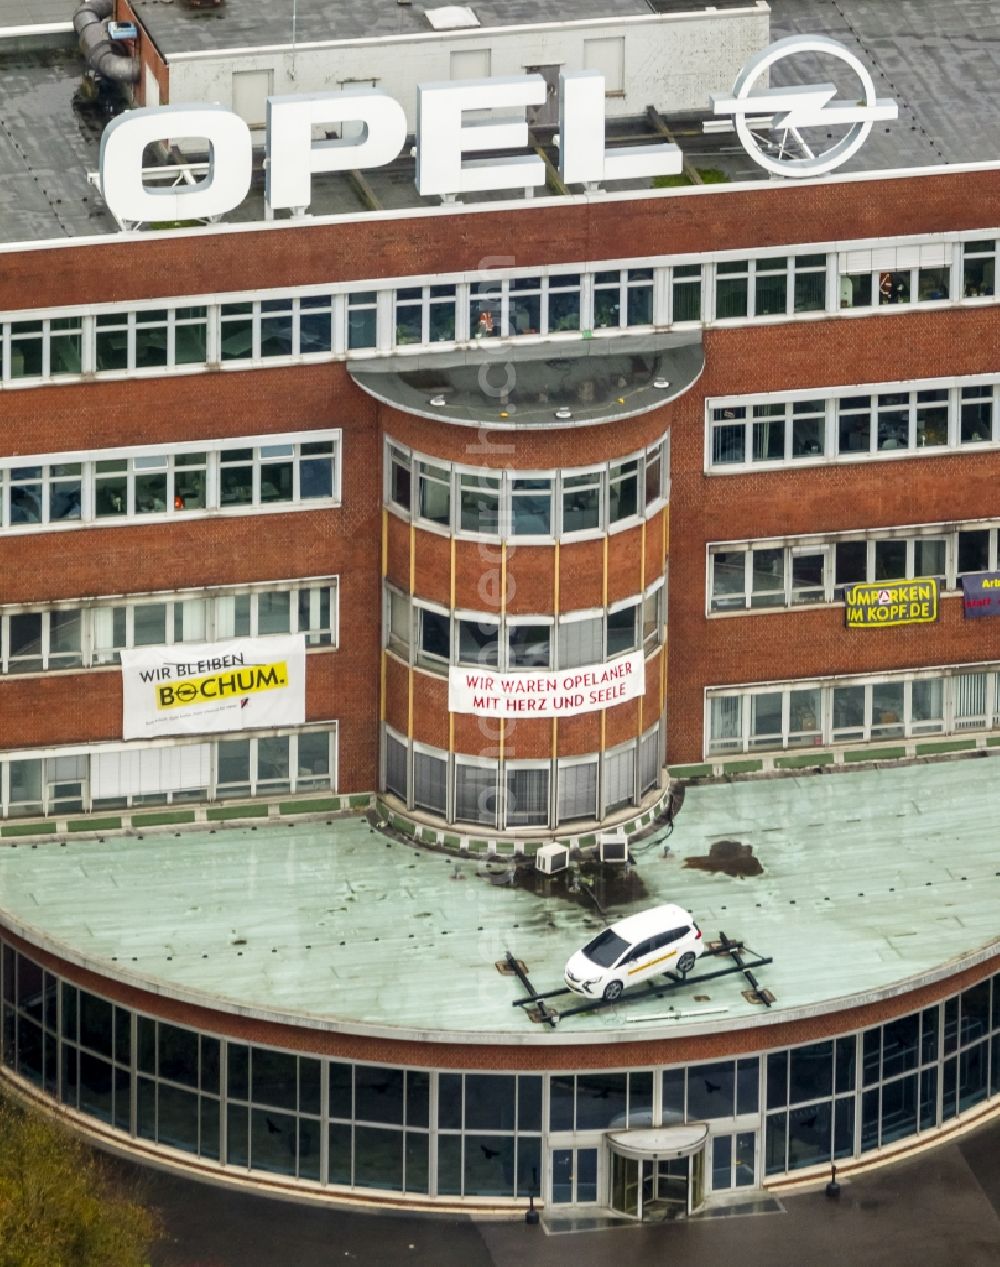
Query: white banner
x=558 y=693
x=195 y=688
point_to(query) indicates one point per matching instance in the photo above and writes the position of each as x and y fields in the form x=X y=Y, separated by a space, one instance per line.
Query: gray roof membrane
x=868 y=883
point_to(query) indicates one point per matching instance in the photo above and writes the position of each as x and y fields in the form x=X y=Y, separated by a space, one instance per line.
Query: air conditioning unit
x=551 y=859
x=613 y=849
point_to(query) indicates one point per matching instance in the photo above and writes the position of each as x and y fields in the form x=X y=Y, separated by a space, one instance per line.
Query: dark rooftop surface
x=243 y=23
x=596 y=380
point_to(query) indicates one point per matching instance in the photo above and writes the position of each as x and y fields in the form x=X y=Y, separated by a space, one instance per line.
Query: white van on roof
x=662 y=939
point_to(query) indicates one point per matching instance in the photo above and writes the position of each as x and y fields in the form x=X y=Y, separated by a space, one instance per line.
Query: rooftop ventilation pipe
x=90 y=22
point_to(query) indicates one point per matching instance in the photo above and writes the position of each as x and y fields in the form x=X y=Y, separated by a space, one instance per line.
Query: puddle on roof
x=727 y=857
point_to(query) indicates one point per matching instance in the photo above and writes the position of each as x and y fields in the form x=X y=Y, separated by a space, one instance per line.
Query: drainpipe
x=90 y=22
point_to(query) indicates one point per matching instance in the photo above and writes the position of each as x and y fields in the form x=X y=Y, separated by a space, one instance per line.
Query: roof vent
x=451 y=17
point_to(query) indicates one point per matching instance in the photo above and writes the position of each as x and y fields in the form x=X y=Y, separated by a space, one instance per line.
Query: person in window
x=484 y=327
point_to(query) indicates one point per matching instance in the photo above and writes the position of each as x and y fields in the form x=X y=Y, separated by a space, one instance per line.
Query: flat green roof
x=872 y=882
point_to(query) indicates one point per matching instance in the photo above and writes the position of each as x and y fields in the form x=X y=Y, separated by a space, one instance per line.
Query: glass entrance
x=625 y=1185
x=656 y=1190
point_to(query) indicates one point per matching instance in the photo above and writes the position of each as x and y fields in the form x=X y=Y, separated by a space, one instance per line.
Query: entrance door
x=655 y=1190
x=574 y=1176
x=671 y=1185
x=625 y=1185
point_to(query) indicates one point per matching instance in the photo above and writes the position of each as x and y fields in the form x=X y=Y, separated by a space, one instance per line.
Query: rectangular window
x=435 y=494
x=486 y=301
x=564 y=303
x=410 y=315
x=529 y=646
x=729 y=571
x=478 y=642
x=524 y=305
x=808 y=576
x=808 y=428
x=236 y=331
x=731 y=288
x=974 y=550
x=622 y=630
x=639 y=297
x=728 y=436
x=619 y=778
x=430 y=782
x=765 y=720
x=190 y=336
x=277 y=326
x=608 y=300
x=395 y=770
x=652 y=619
x=527 y=796
x=315 y=324
x=111 y=342
x=399 y=624
x=926 y=706
x=170 y=482
x=976 y=415
x=771 y=288
x=65 y=345
x=399 y=478
x=654 y=476
x=767 y=578
x=362 y=320
x=623 y=489
x=893 y=421
x=932 y=418
x=686 y=292
x=581 y=502
x=434 y=636
x=476 y=793
x=855 y=425
x=979 y=269
x=425 y=314
x=768 y=433
x=479 y=503
x=531 y=507
x=577 y=791
x=809 y=273
x=581 y=641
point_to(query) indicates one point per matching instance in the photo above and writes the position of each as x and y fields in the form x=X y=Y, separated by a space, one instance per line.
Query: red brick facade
x=820 y=353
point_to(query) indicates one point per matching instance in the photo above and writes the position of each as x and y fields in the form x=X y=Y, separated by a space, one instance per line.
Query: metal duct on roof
x=90 y=22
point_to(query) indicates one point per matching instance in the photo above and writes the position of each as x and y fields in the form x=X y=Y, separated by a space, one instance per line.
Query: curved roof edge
x=506 y=383
x=653 y=1030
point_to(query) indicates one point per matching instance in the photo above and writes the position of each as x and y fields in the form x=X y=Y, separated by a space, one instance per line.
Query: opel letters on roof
x=446 y=135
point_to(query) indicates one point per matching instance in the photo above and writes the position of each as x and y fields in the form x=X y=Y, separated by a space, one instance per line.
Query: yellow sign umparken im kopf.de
x=880 y=604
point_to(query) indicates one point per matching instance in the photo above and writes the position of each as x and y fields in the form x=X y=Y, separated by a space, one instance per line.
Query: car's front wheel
x=686 y=962
x=613 y=990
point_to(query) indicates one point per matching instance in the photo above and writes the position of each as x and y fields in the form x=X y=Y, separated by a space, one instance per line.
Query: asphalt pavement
x=940 y=1208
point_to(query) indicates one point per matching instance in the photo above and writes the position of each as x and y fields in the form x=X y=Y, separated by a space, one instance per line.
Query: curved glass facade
x=537 y=505
x=492 y=792
x=490 y=1136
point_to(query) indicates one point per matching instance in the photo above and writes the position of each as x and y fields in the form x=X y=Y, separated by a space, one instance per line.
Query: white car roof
x=658 y=919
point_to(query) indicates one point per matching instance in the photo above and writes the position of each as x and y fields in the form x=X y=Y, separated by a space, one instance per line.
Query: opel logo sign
x=793 y=109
